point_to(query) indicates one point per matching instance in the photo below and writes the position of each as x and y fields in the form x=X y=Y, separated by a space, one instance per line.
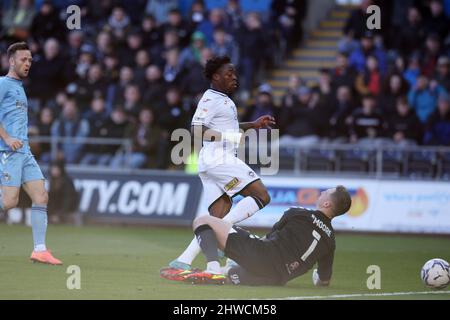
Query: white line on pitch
x=360 y=295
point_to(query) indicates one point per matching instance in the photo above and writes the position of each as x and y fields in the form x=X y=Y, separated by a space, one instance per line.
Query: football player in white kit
x=222 y=173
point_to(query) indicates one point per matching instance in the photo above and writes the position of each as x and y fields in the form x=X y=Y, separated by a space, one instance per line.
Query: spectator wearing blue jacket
x=438 y=125
x=368 y=48
x=160 y=9
x=72 y=126
x=423 y=97
x=216 y=19
x=413 y=70
x=224 y=45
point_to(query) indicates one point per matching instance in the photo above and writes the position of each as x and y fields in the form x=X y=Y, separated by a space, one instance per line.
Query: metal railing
x=411 y=161
x=125 y=145
x=380 y=161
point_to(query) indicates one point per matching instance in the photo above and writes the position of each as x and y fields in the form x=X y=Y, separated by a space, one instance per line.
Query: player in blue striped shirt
x=17 y=165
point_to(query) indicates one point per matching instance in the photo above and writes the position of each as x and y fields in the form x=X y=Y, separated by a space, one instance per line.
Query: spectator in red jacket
x=370 y=80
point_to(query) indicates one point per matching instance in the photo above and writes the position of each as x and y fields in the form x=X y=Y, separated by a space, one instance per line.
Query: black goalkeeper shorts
x=254 y=257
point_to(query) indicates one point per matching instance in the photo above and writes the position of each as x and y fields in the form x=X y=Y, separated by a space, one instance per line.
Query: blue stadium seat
x=420 y=164
x=356 y=160
x=393 y=161
x=319 y=160
x=287 y=159
x=444 y=166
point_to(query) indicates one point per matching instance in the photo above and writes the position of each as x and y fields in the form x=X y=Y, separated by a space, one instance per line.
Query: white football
x=436 y=273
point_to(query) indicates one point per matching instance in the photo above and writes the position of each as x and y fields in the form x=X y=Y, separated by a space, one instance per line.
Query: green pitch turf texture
x=124 y=263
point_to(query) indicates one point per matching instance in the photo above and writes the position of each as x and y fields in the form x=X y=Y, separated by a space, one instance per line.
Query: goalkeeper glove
x=316 y=280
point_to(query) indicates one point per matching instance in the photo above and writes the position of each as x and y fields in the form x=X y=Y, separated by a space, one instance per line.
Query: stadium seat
x=443 y=170
x=393 y=162
x=356 y=160
x=287 y=159
x=420 y=164
x=319 y=160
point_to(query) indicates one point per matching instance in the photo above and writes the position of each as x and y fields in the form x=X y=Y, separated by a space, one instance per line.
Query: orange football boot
x=44 y=257
x=205 y=277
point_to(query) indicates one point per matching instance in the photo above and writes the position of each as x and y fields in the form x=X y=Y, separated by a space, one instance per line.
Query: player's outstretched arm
x=324 y=271
x=266 y=121
x=13 y=143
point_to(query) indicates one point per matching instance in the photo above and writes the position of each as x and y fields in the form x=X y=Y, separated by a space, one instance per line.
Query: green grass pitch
x=124 y=263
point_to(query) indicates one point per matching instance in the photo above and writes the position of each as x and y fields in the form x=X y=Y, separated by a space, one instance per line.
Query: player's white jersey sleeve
x=216 y=111
x=206 y=111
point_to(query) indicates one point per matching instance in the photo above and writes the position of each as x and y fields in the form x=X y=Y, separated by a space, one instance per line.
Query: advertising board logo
x=360 y=203
x=307 y=198
x=133 y=197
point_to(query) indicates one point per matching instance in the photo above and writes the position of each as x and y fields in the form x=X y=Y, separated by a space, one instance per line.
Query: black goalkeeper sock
x=208 y=243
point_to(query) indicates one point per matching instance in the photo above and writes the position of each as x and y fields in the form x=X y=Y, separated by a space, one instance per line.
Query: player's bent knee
x=220 y=208
x=265 y=198
x=262 y=199
x=9 y=203
x=217 y=213
x=199 y=221
x=41 y=199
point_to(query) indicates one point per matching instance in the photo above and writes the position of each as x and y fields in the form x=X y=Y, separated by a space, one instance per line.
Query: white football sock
x=213 y=267
x=242 y=210
x=190 y=253
x=40 y=248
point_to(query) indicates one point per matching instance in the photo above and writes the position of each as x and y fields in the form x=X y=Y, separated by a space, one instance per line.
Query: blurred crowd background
x=134 y=70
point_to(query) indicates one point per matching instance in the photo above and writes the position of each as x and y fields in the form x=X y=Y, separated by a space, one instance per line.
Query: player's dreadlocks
x=214 y=64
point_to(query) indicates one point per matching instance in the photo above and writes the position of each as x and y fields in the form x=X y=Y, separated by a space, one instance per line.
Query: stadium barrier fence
x=383 y=201
x=378 y=205
x=379 y=159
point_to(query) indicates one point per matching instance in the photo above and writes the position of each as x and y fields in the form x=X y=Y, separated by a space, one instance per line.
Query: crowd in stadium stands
x=389 y=87
x=134 y=71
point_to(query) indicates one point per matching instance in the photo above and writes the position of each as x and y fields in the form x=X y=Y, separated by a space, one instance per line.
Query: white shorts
x=226 y=178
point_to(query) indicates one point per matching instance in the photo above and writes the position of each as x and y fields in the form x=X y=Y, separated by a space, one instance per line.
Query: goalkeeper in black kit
x=299 y=240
